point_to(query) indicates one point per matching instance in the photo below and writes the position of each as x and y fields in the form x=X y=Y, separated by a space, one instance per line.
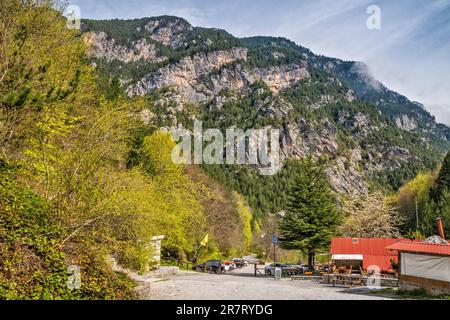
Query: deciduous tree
x=369 y=216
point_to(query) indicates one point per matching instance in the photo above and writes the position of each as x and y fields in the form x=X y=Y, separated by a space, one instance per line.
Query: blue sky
x=410 y=53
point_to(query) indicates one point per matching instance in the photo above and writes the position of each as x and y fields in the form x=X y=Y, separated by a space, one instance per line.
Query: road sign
x=275 y=240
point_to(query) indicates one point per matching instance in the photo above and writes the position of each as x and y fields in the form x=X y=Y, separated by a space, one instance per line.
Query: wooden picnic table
x=347 y=279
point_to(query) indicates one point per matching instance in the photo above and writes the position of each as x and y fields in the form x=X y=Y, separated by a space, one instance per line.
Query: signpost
x=275 y=240
x=275 y=243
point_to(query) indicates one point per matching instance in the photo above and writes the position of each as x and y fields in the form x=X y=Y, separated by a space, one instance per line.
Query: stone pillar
x=156 y=258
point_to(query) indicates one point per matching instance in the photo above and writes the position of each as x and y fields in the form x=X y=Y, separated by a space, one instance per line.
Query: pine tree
x=311 y=217
x=443 y=180
x=433 y=210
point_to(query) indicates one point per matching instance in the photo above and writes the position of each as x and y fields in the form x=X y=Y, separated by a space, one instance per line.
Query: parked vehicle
x=229 y=265
x=286 y=269
x=270 y=269
x=240 y=263
x=325 y=268
x=215 y=266
x=305 y=268
x=292 y=270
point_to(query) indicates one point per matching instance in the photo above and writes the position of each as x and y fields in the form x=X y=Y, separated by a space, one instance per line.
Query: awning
x=347 y=257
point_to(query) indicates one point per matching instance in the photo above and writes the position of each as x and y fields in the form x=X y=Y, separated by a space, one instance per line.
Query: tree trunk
x=311 y=256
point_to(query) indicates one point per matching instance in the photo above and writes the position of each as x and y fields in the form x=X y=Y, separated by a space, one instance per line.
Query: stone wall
x=433 y=287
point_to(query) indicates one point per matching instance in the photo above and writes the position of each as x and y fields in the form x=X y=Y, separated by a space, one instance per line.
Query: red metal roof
x=373 y=250
x=441 y=249
x=369 y=246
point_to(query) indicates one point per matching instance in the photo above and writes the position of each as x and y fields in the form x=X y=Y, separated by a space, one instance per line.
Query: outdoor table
x=351 y=279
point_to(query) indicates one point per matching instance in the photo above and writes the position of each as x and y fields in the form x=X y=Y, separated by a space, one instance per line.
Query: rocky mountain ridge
x=107 y=49
x=325 y=107
x=188 y=76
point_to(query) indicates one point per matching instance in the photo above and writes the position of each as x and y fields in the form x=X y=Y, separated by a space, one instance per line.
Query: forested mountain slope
x=87 y=178
x=84 y=183
x=370 y=136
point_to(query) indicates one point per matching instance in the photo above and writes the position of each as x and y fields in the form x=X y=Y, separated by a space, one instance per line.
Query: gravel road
x=242 y=285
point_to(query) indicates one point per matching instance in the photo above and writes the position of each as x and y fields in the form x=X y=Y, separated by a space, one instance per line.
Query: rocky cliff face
x=278 y=78
x=184 y=75
x=169 y=33
x=305 y=138
x=338 y=110
x=102 y=47
x=405 y=122
x=202 y=76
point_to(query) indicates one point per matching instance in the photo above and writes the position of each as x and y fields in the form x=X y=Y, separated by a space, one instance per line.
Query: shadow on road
x=364 y=291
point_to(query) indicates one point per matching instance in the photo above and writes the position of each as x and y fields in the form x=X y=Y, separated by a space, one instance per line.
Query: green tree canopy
x=443 y=180
x=311 y=217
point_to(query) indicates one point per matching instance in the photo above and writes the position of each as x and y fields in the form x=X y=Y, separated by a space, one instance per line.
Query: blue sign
x=275 y=240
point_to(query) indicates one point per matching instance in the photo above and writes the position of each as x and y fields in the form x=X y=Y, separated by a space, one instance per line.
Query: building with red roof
x=369 y=251
x=424 y=265
x=421 y=247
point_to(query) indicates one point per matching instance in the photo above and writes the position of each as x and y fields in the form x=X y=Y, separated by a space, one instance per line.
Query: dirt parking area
x=242 y=285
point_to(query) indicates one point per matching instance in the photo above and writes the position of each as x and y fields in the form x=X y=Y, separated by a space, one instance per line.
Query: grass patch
x=417 y=294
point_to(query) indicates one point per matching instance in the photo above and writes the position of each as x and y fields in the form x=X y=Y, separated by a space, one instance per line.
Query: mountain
x=335 y=110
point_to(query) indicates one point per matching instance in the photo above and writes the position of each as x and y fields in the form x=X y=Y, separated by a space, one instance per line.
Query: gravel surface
x=242 y=285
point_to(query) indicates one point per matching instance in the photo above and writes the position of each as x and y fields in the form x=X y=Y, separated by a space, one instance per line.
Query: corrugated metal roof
x=431 y=248
x=368 y=246
x=373 y=250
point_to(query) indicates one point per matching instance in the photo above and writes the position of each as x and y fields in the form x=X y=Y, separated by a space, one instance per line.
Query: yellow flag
x=204 y=241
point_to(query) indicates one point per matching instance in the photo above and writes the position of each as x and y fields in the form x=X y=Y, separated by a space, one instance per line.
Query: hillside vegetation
x=86 y=172
x=82 y=180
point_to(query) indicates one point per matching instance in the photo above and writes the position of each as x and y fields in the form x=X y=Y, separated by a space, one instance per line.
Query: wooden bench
x=347 y=280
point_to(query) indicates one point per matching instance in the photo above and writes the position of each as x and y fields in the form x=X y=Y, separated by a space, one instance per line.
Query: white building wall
x=425 y=266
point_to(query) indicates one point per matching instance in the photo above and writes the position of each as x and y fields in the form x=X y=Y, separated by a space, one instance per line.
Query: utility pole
x=274 y=254
x=275 y=243
x=417 y=215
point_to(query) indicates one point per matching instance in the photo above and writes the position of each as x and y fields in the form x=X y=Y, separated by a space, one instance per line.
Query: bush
x=32 y=263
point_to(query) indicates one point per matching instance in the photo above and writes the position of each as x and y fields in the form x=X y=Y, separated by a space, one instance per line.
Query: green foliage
x=414 y=235
x=417 y=195
x=245 y=218
x=433 y=210
x=412 y=194
x=265 y=194
x=69 y=146
x=442 y=181
x=261 y=51
x=27 y=238
x=242 y=112
x=111 y=88
x=311 y=217
x=32 y=262
x=176 y=209
x=157 y=154
x=229 y=218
